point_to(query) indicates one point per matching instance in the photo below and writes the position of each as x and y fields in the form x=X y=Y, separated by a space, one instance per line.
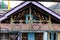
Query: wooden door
x=24 y=36
x=38 y=36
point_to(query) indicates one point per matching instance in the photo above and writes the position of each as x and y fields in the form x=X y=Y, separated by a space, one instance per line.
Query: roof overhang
x=26 y=3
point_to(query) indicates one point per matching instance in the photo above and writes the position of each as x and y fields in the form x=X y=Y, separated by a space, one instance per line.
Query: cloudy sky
x=15 y=3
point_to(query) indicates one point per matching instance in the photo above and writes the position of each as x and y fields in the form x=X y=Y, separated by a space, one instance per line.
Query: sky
x=15 y=3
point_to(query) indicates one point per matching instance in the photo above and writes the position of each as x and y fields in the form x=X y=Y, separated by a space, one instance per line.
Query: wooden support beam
x=11 y=23
x=30 y=20
x=50 y=22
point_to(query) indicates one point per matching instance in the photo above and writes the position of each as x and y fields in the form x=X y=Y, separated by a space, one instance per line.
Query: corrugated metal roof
x=55 y=8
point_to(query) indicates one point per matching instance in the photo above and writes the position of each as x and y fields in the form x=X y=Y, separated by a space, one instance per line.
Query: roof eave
x=47 y=10
x=17 y=8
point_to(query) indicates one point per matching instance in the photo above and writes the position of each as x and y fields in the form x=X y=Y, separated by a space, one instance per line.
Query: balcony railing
x=33 y=26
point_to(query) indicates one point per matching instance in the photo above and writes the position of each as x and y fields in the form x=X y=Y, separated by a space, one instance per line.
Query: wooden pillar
x=45 y=36
x=11 y=23
x=48 y=35
x=50 y=22
x=58 y=35
x=30 y=20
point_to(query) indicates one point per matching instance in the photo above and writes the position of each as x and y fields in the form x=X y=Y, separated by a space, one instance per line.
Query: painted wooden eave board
x=26 y=3
x=15 y=9
x=47 y=10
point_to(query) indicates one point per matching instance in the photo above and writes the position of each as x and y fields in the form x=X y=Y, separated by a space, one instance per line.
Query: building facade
x=30 y=21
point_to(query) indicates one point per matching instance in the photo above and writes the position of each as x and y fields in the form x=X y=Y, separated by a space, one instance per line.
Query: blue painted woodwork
x=31 y=36
x=28 y=15
x=26 y=19
x=52 y=35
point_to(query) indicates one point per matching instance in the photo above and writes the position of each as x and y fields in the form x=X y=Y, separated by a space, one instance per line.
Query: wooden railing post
x=40 y=22
x=20 y=24
x=50 y=22
x=30 y=21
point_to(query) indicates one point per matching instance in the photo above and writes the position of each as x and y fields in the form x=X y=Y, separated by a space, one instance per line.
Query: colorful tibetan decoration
x=8 y=5
x=3 y=5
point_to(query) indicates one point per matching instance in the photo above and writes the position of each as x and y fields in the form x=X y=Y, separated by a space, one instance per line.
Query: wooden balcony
x=33 y=26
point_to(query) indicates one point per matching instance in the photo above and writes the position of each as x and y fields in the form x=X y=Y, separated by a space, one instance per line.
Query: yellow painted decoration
x=8 y=5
